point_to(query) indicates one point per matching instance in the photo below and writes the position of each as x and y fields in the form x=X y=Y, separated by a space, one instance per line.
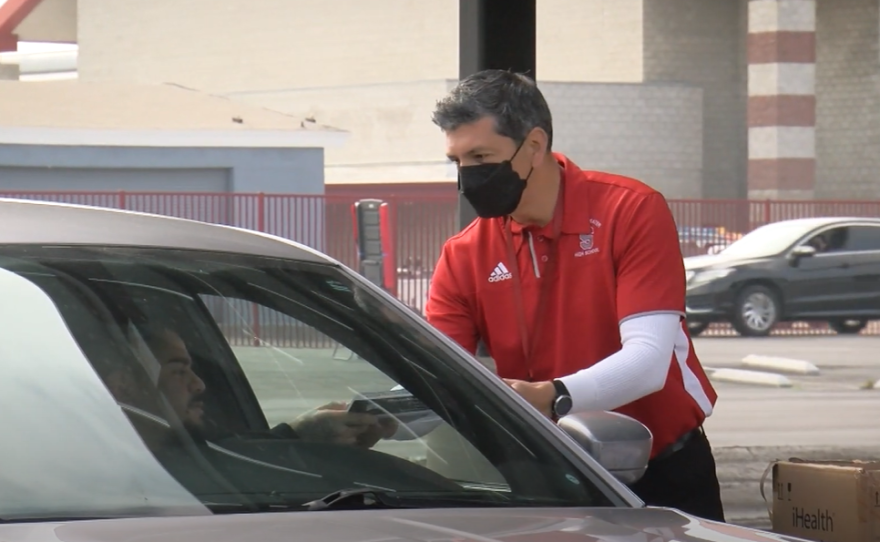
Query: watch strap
x=562 y=396
x=560 y=388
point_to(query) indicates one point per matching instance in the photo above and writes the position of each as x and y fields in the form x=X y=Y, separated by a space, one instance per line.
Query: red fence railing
x=421 y=225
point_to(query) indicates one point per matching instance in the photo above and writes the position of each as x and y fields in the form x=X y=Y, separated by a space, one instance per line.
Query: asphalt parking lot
x=832 y=408
x=829 y=416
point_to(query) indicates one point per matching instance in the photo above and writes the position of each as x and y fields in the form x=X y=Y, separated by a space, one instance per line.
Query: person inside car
x=184 y=391
x=829 y=241
x=819 y=243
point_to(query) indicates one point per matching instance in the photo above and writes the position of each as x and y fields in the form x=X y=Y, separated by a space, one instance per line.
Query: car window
x=831 y=240
x=864 y=238
x=238 y=375
x=846 y=239
x=67 y=446
x=303 y=370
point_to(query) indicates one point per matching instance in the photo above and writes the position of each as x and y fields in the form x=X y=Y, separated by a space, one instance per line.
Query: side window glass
x=307 y=380
x=864 y=238
x=234 y=389
x=65 y=346
x=833 y=240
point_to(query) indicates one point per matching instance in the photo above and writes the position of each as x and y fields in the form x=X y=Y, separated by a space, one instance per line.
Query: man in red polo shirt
x=575 y=283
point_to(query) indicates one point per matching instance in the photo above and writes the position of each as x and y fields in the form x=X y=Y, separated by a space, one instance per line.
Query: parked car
x=704 y=240
x=810 y=269
x=160 y=377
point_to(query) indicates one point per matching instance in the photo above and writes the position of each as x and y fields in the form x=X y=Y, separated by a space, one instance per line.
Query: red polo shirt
x=618 y=256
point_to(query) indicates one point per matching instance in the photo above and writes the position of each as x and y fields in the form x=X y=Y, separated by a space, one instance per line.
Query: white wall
x=652 y=132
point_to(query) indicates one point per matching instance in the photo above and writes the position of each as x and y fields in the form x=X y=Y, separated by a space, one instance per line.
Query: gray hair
x=511 y=99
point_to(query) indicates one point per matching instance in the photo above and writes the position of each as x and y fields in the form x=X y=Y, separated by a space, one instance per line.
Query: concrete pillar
x=782 y=99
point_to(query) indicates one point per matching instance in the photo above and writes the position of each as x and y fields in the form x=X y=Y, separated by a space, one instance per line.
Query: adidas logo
x=500 y=273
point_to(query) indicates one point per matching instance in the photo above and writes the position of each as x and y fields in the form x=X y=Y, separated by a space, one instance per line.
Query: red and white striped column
x=782 y=99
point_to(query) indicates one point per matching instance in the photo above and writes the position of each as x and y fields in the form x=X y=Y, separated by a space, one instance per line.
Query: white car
x=163 y=378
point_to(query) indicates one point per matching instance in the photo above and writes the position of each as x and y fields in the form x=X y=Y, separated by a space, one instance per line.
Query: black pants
x=685 y=480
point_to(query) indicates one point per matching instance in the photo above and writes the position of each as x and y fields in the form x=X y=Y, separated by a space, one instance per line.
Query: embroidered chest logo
x=586 y=241
x=500 y=273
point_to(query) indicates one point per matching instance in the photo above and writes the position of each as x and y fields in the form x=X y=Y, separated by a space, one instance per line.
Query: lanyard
x=528 y=339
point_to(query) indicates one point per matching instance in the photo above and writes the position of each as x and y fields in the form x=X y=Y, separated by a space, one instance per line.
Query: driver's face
x=181 y=386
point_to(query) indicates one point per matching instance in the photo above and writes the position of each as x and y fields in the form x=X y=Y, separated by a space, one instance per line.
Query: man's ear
x=537 y=141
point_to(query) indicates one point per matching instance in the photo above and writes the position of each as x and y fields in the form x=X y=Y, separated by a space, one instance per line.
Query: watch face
x=562 y=405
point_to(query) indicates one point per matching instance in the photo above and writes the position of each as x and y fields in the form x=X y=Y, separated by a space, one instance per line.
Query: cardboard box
x=828 y=501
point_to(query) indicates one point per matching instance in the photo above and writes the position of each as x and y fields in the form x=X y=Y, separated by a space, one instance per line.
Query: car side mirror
x=803 y=251
x=622 y=445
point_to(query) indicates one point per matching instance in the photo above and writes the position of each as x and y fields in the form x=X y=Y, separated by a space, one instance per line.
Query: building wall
x=97 y=179
x=702 y=43
x=198 y=173
x=271 y=44
x=50 y=21
x=652 y=132
x=345 y=66
x=278 y=44
x=392 y=136
x=25 y=167
x=328 y=54
x=590 y=41
x=782 y=99
x=848 y=99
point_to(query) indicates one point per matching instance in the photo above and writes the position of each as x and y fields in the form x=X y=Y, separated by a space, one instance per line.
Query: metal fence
x=422 y=224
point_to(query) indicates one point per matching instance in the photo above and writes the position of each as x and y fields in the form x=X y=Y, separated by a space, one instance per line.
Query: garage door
x=112 y=180
x=205 y=191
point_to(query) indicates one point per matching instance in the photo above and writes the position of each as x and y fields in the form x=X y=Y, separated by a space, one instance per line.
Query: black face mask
x=493 y=190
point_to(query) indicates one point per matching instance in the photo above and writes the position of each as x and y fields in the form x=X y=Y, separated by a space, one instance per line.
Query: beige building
x=700 y=98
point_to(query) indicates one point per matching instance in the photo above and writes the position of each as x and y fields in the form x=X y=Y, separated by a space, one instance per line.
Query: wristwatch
x=562 y=403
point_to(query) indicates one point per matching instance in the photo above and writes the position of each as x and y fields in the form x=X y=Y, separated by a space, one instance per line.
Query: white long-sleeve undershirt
x=638 y=369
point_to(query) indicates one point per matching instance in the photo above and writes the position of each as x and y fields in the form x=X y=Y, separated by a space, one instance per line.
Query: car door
x=862 y=253
x=823 y=283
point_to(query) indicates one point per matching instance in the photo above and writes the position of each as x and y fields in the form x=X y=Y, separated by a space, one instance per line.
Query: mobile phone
x=397 y=403
x=414 y=417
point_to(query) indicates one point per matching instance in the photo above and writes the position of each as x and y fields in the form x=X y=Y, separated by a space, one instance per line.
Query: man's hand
x=332 y=423
x=540 y=394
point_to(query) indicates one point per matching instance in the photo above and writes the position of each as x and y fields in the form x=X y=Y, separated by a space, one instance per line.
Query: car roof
x=42 y=222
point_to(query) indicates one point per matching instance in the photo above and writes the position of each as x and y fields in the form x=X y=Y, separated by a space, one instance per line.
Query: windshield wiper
x=368 y=497
x=354 y=498
x=236 y=508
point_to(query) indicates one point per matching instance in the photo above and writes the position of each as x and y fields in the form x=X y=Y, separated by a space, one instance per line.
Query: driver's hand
x=333 y=424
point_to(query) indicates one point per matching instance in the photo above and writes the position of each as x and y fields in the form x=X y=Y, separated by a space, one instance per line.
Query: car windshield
x=768 y=240
x=166 y=382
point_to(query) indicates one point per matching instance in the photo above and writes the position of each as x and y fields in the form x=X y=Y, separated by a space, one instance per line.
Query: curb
x=757 y=378
x=785 y=365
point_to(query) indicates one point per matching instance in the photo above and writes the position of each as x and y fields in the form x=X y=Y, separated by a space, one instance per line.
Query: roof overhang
x=11 y=135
